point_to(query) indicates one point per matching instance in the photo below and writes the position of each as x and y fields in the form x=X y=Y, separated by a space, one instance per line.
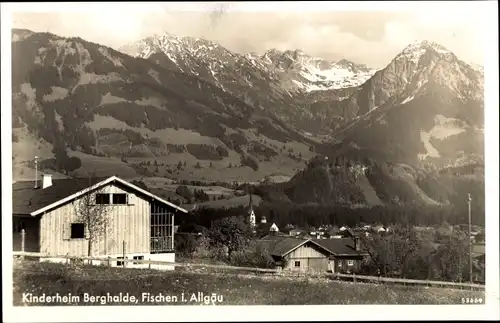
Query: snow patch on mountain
x=91 y=78
x=431 y=151
x=414 y=51
x=154 y=74
x=295 y=70
x=57 y=93
x=310 y=73
x=477 y=67
x=59 y=121
x=444 y=127
x=408 y=99
x=108 y=98
x=27 y=90
x=21 y=34
x=115 y=60
x=42 y=54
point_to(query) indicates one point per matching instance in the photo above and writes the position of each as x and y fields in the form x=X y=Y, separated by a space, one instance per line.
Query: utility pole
x=470 y=240
x=36 y=171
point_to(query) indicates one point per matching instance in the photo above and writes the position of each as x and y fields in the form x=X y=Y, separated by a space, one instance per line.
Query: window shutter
x=130 y=199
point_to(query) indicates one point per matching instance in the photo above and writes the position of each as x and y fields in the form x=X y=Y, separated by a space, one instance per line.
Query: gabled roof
x=339 y=247
x=265 y=226
x=280 y=245
x=30 y=201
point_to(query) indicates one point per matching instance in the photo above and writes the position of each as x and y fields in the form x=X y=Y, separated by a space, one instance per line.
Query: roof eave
x=99 y=184
x=294 y=248
x=21 y=214
x=349 y=254
x=150 y=194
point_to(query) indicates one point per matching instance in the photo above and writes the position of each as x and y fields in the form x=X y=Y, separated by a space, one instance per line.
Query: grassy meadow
x=235 y=289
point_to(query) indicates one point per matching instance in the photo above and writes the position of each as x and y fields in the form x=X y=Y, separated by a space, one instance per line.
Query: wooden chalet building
x=320 y=255
x=345 y=254
x=140 y=225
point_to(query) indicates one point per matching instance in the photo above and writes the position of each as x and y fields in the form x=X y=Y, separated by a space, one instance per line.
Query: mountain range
x=201 y=111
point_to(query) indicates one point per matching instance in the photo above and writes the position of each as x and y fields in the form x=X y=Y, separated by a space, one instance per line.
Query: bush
x=72 y=163
x=204 y=250
x=201 y=196
x=230 y=235
x=252 y=257
x=184 y=191
x=258 y=149
x=185 y=244
x=250 y=162
x=207 y=152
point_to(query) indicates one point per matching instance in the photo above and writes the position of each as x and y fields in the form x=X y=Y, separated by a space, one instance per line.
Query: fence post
x=109 y=261
x=124 y=244
x=354 y=277
x=23 y=239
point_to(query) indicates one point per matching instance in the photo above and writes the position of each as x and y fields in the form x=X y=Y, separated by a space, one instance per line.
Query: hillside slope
x=190 y=109
x=279 y=82
x=426 y=105
x=68 y=92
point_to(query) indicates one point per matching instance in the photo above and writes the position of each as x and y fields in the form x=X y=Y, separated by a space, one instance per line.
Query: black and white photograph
x=171 y=157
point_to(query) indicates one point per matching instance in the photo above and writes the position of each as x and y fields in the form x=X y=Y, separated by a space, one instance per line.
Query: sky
x=364 y=32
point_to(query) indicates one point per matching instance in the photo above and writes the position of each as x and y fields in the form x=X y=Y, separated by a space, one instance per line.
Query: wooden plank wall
x=129 y=223
x=310 y=258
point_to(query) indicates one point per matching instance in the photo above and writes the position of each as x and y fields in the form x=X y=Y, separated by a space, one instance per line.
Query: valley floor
x=230 y=289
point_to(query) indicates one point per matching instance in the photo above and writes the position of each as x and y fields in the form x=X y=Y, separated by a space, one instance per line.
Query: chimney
x=47 y=180
x=357 y=246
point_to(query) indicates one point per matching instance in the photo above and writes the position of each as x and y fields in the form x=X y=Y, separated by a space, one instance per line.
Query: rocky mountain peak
x=416 y=50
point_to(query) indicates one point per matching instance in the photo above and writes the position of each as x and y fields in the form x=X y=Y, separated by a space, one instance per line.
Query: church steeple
x=251 y=213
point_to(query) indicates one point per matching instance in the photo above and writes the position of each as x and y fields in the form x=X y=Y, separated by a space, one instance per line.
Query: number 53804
x=472 y=300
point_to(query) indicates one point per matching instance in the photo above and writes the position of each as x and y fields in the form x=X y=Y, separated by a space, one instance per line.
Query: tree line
x=306 y=215
x=405 y=254
x=402 y=252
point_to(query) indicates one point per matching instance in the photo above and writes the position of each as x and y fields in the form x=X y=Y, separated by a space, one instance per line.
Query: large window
x=101 y=198
x=77 y=230
x=161 y=229
x=120 y=198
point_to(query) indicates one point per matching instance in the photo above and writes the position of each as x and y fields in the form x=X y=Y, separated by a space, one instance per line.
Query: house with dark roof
x=320 y=255
x=139 y=225
x=292 y=254
x=296 y=232
x=345 y=254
